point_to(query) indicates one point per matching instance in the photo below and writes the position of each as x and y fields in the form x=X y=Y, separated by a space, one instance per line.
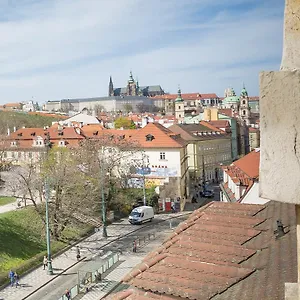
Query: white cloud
x=68 y=48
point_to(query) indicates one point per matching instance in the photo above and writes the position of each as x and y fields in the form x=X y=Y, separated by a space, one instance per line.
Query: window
x=244 y=102
x=162 y=155
x=179 y=107
x=244 y=112
x=149 y=137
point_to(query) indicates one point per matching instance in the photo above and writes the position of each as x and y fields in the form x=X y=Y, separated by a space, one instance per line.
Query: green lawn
x=6 y=200
x=22 y=236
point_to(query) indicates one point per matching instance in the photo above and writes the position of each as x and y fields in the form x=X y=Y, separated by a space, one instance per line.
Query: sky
x=56 y=49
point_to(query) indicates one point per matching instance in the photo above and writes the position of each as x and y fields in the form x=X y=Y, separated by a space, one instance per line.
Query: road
x=57 y=287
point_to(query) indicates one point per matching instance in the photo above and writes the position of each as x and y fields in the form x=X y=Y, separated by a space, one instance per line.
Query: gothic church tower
x=110 y=87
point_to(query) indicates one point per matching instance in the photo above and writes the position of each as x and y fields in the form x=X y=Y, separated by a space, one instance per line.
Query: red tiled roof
x=253 y=98
x=226 y=112
x=253 y=129
x=219 y=123
x=25 y=136
x=92 y=130
x=223 y=251
x=249 y=164
x=188 y=96
x=162 y=137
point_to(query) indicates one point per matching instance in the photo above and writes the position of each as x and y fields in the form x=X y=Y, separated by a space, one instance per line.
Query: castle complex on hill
x=133 y=89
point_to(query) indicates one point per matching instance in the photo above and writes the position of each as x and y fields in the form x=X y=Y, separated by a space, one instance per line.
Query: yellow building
x=208 y=149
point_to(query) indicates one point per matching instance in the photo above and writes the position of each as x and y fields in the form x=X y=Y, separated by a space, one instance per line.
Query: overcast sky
x=54 y=49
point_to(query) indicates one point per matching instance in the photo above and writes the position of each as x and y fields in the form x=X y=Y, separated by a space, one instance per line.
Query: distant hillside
x=18 y=120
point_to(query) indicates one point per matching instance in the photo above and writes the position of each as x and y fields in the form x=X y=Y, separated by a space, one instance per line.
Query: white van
x=141 y=215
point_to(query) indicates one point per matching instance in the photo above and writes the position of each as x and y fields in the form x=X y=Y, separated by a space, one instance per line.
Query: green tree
x=125 y=123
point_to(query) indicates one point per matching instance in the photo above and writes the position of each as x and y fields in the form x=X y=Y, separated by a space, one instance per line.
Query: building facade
x=208 y=148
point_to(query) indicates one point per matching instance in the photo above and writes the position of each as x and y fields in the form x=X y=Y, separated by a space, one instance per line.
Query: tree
x=98 y=109
x=124 y=123
x=74 y=180
x=128 y=107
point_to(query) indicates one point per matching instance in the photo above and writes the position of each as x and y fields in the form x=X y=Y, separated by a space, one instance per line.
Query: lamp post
x=47 y=196
x=104 y=231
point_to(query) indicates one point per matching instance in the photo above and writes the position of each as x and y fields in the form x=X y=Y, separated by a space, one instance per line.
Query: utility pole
x=47 y=196
x=203 y=174
x=144 y=190
x=104 y=231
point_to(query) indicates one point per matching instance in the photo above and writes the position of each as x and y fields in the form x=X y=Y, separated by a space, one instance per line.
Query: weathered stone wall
x=291 y=47
x=280 y=136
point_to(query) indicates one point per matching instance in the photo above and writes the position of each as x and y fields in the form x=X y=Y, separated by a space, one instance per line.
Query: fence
x=141 y=241
x=92 y=273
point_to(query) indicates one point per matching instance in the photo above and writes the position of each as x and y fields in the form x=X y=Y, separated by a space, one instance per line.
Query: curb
x=82 y=239
x=54 y=277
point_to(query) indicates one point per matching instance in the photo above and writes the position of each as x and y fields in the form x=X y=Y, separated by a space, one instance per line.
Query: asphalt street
x=57 y=287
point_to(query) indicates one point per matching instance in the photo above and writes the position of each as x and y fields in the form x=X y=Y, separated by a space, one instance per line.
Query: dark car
x=207 y=194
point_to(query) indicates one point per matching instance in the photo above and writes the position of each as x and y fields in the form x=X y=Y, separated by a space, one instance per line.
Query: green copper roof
x=232 y=99
x=244 y=91
x=179 y=98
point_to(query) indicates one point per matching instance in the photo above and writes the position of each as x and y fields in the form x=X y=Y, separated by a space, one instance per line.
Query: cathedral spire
x=110 y=87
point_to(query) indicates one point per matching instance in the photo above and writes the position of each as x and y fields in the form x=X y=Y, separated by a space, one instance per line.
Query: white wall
x=252 y=196
x=172 y=161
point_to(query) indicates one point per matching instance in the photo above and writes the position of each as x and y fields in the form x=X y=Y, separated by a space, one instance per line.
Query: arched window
x=244 y=112
x=244 y=102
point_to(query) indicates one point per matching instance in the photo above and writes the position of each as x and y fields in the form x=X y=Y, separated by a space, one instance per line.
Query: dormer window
x=60 y=133
x=95 y=132
x=149 y=137
x=32 y=133
x=20 y=134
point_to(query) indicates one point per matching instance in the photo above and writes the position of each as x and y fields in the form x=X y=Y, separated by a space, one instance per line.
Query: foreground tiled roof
x=224 y=251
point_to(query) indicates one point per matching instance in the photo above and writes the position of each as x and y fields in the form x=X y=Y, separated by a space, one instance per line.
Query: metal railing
x=87 y=276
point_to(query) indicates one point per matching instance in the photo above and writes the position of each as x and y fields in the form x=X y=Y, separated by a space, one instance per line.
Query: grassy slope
x=11 y=119
x=6 y=200
x=22 y=236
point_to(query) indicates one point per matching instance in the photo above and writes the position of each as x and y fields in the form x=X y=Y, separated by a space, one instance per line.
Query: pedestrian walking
x=77 y=253
x=11 y=276
x=68 y=294
x=17 y=279
x=134 y=247
x=45 y=261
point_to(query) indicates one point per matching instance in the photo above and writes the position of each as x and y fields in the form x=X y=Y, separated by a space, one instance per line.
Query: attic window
x=95 y=132
x=32 y=134
x=60 y=133
x=149 y=137
x=20 y=134
x=122 y=137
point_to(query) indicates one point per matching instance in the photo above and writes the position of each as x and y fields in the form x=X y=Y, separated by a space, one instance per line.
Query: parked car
x=141 y=215
x=207 y=194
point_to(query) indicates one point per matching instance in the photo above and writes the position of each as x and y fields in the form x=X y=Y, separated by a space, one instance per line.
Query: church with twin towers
x=134 y=89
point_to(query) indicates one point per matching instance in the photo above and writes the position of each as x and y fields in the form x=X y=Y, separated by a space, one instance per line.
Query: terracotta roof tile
x=249 y=164
x=162 y=137
x=217 y=258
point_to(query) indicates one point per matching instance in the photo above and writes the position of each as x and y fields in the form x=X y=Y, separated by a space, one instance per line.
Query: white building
x=241 y=180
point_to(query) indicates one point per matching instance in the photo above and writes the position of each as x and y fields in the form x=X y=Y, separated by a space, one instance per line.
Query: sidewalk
x=89 y=248
x=129 y=261
x=39 y=277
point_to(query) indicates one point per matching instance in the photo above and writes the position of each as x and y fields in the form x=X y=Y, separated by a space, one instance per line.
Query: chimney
x=15 y=128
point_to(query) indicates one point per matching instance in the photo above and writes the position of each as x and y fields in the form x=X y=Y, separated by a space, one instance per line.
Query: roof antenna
x=280 y=230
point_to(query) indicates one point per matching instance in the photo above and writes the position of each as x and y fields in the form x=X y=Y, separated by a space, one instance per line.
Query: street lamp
x=104 y=231
x=47 y=196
